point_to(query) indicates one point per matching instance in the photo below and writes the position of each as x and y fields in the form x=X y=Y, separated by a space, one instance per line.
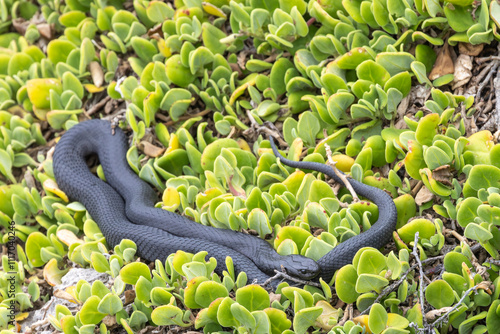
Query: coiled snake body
x=123 y=207
x=376 y=236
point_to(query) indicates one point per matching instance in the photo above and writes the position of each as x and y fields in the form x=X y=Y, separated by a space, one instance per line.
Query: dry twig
x=263 y=129
x=340 y=175
x=493 y=261
x=495 y=115
x=397 y=283
x=481 y=60
x=444 y=316
x=390 y=288
x=347 y=315
x=416 y=255
x=182 y=118
x=96 y=107
x=284 y=275
x=490 y=69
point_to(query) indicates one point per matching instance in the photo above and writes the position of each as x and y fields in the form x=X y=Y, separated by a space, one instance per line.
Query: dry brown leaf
x=30 y=180
x=444 y=63
x=150 y=149
x=97 y=74
x=129 y=297
x=274 y=296
x=463 y=71
x=469 y=49
x=235 y=68
x=423 y=196
x=46 y=30
x=110 y=106
x=442 y=174
x=20 y=25
x=65 y=295
x=68 y=237
x=318 y=232
x=484 y=285
x=18 y=325
x=50 y=153
x=156 y=32
x=403 y=107
x=242 y=59
x=109 y=320
x=419 y=94
x=432 y=315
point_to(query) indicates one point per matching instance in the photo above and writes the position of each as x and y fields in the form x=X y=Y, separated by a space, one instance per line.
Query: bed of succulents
x=398 y=93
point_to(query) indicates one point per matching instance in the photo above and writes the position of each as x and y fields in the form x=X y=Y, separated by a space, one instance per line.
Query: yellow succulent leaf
x=52 y=274
x=213 y=10
x=240 y=90
x=261 y=151
x=39 y=91
x=343 y=162
x=171 y=199
x=362 y=320
x=68 y=237
x=34 y=278
x=296 y=148
x=63 y=294
x=51 y=186
x=163 y=48
x=482 y=140
x=93 y=88
x=394 y=320
x=16 y=110
x=329 y=313
x=71 y=290
x=173 y=144
x=244 y=145
x=41 y=114
x=241 y=211
x=22 y=316
x=294 y=180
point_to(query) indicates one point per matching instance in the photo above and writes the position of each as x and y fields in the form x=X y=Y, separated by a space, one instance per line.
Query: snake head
x=301 y=267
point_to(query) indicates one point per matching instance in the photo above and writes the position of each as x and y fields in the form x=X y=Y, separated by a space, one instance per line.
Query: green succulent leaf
x=132 y=272
x=90 y=313
x=253 y=298
x=305 y=318
x=439 y=294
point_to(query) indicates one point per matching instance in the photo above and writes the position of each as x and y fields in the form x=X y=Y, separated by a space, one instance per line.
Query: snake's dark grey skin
x=376 y=236
x=107 y=207
x=156 y=232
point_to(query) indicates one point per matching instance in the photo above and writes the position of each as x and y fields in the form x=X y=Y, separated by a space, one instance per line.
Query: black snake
x=123 y=207
x=376 y=236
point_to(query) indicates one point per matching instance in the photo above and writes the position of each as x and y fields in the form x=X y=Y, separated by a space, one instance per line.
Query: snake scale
x=123 y=207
